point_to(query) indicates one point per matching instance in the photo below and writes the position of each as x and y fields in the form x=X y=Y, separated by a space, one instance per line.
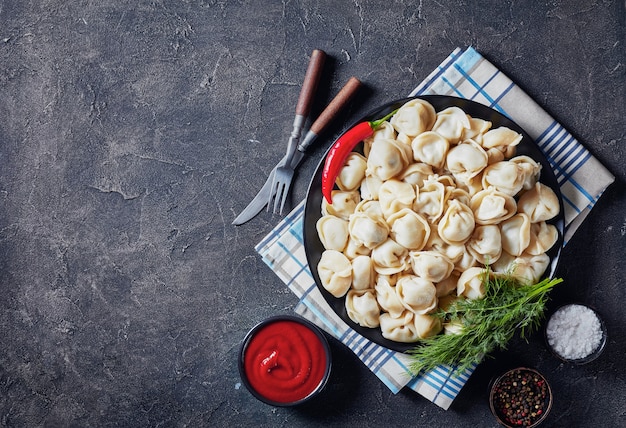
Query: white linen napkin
x=466 y=74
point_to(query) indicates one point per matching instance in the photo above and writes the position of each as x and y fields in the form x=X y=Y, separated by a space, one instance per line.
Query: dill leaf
x=487 y=324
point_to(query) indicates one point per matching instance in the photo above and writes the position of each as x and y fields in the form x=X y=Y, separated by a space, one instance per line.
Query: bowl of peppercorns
x=520 y=397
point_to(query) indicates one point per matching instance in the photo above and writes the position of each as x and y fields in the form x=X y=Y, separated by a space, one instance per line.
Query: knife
x=324 y=119
x=305 y=99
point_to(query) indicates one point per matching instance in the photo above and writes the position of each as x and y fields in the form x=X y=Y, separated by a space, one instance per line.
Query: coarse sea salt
x=574 y=332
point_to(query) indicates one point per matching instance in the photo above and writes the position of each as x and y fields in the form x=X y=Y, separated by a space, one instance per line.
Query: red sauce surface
x=285 y=361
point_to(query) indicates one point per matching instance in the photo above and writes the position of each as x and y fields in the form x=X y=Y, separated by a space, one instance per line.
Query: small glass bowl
x=315 y=335
x=520 y=389
x=588 y=358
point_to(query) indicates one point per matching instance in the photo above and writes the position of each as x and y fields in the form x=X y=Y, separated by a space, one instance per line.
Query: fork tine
x=282 y=179
x=274 y=190
x=277 y=204
x=277 y=195
x=283 y=199
x=285 y=192
x=277 y=185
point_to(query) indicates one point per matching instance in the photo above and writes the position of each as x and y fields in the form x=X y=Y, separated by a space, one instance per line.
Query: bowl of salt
x=575 y=333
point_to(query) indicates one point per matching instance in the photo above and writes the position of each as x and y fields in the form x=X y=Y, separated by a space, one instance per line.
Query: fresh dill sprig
x=486 y=324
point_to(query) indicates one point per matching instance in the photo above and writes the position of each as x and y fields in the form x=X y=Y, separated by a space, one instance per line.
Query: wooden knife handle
x=311 y=79
x=336 y=105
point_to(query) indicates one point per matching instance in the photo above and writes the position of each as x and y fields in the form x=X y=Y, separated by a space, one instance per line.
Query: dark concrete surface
x=133 y=132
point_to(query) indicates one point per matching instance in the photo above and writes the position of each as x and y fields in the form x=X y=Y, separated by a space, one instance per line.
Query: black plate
x=312 y=211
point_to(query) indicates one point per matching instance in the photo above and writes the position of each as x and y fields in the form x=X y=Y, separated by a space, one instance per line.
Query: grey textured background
x=133 y=132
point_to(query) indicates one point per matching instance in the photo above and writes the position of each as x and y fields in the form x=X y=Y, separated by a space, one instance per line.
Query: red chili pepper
x=341 y=149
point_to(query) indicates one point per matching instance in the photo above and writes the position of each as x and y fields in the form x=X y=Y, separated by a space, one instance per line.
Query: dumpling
x=447 y=286
x=430 y=200
x=384 y=131
x=540 y=203
x=391 y=279
x=527 y=268
x=446 y=301
x=530 y=268
x=476 y=130
x=352 y=173
x=335 y=271
x=363 y=275
x=466 y=259
x=531 y=169
x=404 y=139
x=451 y=123
x=515 y=234
x=466 y=160
x=387 y=297
x=486 y=244
x=355 y=249
x=370 y=187
x=490 y=206
x=416 y=173
x=409 y=229
x=494 y=155
x=333 y=232
x=426 y=325
x=506 y=176
x=367 y=230
x=543 y=236
x=470 y=185
x=458 y=194
x=471 y=283
x=362 y=308
x=458 y=254
x=503 y=138
x=417 y=294
x=395 y=195
x=445 y=179
x=435 y=243
x=504 y=264
x=430 y=148
x=431 y=265
x=453 y=327
x=387 y=158
x=343 y=204
x=457 y=223
x=400 y=329
x=390 y=257
x=414 y=117
x=371 y=208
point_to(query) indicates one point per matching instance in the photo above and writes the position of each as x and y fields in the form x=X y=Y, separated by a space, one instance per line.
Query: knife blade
x=260 y=200
x=330 y=112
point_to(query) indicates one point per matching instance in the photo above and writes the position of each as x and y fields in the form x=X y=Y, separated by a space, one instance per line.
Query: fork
x=283 y=175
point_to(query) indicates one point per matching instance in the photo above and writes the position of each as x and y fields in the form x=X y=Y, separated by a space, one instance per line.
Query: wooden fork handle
x=311 y=79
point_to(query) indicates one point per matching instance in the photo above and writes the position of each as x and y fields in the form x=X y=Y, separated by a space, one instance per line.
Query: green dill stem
x=488 y=324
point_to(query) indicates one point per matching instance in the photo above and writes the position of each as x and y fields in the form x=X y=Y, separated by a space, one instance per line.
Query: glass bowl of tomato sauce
x=285 y=360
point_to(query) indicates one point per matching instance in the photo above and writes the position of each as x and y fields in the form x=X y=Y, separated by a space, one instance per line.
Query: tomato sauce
x=285 y=361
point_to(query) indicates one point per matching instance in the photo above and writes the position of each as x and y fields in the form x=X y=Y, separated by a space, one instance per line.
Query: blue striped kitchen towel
x=582 y=178
x=466 y=74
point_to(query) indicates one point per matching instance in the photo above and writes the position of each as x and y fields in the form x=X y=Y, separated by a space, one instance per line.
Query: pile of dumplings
x=414 y=221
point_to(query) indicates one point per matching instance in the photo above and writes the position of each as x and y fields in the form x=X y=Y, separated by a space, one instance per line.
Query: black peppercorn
x=520 y=398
